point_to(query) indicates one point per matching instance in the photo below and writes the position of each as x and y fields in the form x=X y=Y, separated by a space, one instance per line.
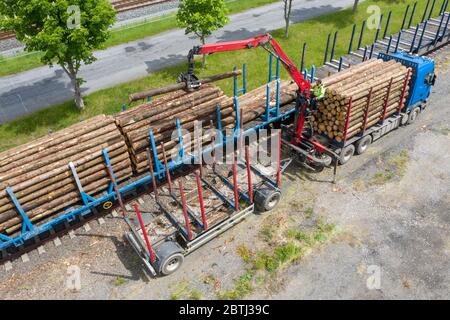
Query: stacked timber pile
x=40 y=177
x=189 y=107
x=253 y=104
x=356 y=83
x=160 y=116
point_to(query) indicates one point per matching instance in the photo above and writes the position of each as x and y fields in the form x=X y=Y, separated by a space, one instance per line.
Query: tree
x=355 y=6
x=287 y=15
x=67 y=32
x=202 y=17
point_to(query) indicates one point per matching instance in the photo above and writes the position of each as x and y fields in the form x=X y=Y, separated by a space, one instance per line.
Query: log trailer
x=188 y=224
x=164 y=254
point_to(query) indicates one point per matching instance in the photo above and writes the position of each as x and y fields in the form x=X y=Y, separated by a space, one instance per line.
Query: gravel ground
x=155 y=10
x=400 y=226
x=11 y=46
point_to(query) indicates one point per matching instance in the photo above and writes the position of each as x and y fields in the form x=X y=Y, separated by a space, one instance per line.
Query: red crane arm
x=265 y=41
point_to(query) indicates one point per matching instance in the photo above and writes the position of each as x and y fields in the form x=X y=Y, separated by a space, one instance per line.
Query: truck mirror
x=433 y=79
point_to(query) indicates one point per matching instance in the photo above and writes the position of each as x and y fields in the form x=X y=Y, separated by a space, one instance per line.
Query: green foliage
x=118 y=281
x=50 y=26
x=243 y=286
x=184 y=291
x=65 y=32
x=202 y=17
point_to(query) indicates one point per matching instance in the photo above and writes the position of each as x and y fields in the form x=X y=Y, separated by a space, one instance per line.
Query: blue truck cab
x=422 y=78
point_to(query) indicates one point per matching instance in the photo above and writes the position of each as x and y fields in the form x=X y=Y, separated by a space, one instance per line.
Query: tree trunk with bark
x=203 y=38
x=72 y=72
x=355 y=6
x=385 y=81
x=287 y=16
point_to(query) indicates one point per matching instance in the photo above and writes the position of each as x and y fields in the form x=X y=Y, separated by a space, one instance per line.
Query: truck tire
x=346 y=154
x=266 y=199
x=413 y=115
x=363 y=144
x=170 y=256
x=404 y=120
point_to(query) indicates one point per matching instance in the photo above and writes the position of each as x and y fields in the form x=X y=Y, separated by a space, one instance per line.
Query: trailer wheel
x=171 y=257
x=413 y=115
x=363 y=144
x=266 y=199
x=346 y=154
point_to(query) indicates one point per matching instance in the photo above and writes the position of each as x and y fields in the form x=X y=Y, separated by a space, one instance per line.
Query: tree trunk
x=72 y=73
x=79 y=102
x=204 y=56
x=355 y=6
x=287 y=15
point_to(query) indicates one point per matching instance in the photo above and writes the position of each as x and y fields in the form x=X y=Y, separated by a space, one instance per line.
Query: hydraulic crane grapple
x=309 y=149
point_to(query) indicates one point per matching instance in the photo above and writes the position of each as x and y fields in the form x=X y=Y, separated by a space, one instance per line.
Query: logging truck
x=399 y=102
x=316 y=150
x=107 y=160
x=414 y=92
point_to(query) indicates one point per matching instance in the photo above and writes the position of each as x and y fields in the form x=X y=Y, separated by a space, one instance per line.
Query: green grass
x=263 y=265
x=183 y=291
x=125 y=34
x=118 y=281
x=109 y=101
x=243 y=286
x=395 y=167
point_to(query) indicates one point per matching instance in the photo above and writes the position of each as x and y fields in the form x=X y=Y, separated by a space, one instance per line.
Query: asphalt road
x=42 y=87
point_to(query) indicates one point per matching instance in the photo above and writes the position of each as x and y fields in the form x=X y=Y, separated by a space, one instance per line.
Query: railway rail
x=120 y=6
x=438 y=34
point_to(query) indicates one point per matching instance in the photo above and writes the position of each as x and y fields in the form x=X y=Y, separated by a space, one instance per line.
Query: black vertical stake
x=425 y=12
x=404 y=17
x=398 y=41
x=412 y=15
x=334 y=46
x=365 y=54
x=363 y=27
x=445 y=28
x=432 y=9
x=387 y=25
x=436 y=38
x=421 y=36
x=441 y=11
x=414 y=39
x=379 y=28
x=350 y=46
x=302 y=65
x=444 y=9
x=326 y=50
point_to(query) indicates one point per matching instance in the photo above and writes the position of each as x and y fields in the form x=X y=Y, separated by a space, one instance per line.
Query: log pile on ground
x=356 y=83
x=189 y=107
x=40 y=176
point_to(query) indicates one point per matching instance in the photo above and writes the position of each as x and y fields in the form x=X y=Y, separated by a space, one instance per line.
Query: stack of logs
x=160 y=117
x=40 y=177
x=161 y=114
x=367 y=85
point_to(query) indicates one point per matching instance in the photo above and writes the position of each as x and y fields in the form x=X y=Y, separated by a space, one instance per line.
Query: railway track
x=120 y=6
